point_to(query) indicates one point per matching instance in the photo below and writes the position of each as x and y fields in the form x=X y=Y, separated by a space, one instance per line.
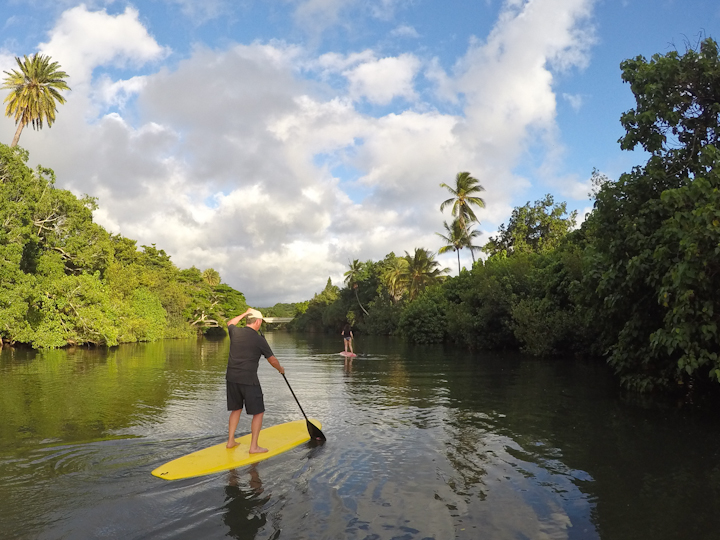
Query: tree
x=421 y=270
x=470 y=234
x=457 y=238
x=533 y=229
x=677 y=106
x=211 y=277
x=392 y=277
x=35 y=92
x=454 y=239
x=351 y=279
x=654 y=262
x=464 y=197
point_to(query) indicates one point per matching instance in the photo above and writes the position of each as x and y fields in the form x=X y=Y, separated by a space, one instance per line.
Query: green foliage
x=533 y=229
x=312 y=318
x=423 y=320
x=420 y=271
x=678 y=104
x=71 y=310
x=651 y=280
x=281 y=310
x=150 y=316
x=457 y=238
x=481 y=314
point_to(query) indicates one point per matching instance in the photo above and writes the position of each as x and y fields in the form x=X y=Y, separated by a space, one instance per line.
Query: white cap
x=254 y=313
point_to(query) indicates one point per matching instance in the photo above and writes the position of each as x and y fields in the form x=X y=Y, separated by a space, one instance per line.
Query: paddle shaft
x=296 y=399
x=313 y=430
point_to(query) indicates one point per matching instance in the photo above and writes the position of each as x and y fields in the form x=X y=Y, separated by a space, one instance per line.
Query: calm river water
x=423 y=442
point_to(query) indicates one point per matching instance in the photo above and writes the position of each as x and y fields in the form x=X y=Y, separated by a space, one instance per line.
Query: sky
x=277 y=140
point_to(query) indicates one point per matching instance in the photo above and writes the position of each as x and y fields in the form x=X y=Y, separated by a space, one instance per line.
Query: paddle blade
x=315 y=432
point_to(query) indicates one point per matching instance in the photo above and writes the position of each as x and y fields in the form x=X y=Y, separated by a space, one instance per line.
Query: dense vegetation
x=637 y=283
x=64 y=280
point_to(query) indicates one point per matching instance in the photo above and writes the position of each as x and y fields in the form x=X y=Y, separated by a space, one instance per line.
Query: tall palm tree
x=420 y=271
x=211 y=277
x=454 y=239
x=351 y=279
x=464 y=197
x=34 y=92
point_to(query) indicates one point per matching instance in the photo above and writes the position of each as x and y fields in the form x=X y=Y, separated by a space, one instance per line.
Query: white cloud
x=117 y=93
x=575 y=101
x=83 y=40
x=7 y=61
x=380 y=81
x=404 y=30
x=336 y=63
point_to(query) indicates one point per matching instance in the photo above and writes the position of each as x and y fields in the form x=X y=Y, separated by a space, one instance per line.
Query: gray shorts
x=247 y=396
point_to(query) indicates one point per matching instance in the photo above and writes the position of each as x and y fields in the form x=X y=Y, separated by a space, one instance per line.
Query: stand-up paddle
x=313 y=430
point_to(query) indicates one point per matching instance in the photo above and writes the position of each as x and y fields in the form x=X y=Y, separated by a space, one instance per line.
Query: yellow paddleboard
x=277 y=439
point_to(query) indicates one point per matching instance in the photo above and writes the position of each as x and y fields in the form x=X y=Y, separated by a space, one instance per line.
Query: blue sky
x=276 y=140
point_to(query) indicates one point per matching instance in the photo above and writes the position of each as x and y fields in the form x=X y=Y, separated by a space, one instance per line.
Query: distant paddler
x=243 y=385
x=348 y=339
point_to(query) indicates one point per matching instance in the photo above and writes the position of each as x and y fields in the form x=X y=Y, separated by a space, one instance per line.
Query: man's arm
x=237 y=319
x=274 y=362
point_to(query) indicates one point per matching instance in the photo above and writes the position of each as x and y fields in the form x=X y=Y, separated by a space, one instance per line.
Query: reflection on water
x=244 y=515
x=424 y=442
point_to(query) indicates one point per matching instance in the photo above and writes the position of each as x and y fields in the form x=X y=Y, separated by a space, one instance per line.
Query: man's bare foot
x=258 y=450
x=233 y=445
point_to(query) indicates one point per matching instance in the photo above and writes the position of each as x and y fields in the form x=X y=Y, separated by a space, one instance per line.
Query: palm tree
x=393 y=278
x=464 y=197
x=469 y=235
x=351 y=279
x=211 y=277
x=454 y=240
x=420 y=271
x=34 y=92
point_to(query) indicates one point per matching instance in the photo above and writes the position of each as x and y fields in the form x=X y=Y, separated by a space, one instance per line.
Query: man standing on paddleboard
x=243 y=385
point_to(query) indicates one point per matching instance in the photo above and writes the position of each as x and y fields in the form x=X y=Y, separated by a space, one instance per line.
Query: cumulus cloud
x=379 y=81
x=82 y=40
x=242 y=158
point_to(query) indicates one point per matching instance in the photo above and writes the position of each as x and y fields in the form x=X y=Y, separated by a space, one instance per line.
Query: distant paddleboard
x=277 y=439
x=348 y=354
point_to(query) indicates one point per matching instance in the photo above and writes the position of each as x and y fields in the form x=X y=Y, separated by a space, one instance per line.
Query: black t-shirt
x=246 y=346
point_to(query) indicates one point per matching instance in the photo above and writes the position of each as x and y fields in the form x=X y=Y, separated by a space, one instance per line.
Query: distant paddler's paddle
x=313 y=430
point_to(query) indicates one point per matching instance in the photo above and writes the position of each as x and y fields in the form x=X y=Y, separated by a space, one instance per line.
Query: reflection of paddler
x=242 y=505
x=243 y=385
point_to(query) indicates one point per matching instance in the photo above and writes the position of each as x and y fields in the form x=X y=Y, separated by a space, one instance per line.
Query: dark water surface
x=423 y=442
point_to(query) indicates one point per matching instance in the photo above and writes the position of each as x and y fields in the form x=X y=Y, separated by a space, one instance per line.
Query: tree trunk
x=458 y=254
x=359 y=304
x=16 y=138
